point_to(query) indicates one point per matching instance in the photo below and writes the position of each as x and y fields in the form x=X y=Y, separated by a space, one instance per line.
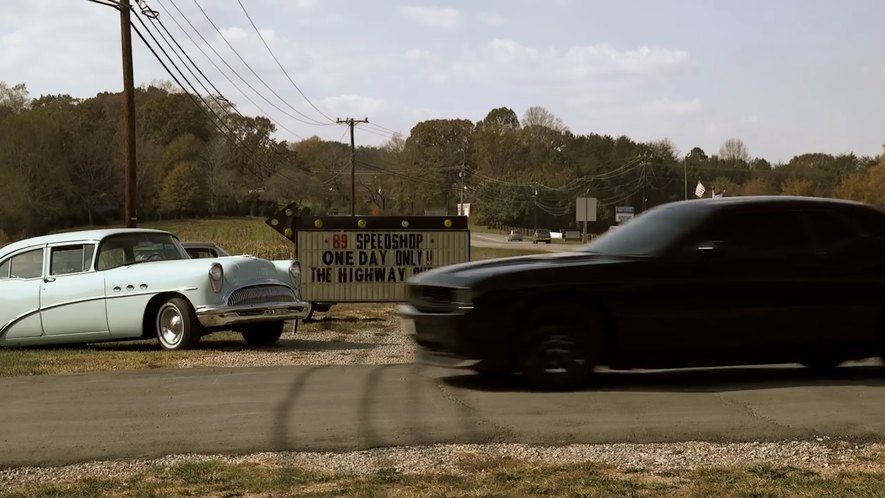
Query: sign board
x=369 y=259
x=585 y=209
x=624 y=213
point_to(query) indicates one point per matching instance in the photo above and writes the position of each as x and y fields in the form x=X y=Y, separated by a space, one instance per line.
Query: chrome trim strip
x=5 y=328
x=142 y=293
x=72 y=301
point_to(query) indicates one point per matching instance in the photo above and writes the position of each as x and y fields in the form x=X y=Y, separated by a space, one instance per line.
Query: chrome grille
x=261 y=294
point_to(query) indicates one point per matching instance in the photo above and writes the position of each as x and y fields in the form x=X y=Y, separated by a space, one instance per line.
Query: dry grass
x=484 y=478
x=346 y=335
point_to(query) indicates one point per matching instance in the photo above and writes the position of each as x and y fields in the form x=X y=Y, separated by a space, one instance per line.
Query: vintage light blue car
x=125 y=284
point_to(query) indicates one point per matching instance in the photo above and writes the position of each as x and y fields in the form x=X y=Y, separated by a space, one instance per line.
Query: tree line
x=61 y=157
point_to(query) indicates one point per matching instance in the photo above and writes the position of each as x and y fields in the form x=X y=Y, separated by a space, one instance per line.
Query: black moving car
x=709 y=282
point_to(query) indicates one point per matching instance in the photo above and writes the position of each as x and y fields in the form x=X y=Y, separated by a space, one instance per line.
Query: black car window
x=832 y=231
x=870 y=221
x=761 y=233
x=4 y=269
x=652 y=232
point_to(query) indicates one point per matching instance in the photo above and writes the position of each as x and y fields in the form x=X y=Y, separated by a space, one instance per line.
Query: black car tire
x=176 y=325
x=264 y=334
x=558 y=355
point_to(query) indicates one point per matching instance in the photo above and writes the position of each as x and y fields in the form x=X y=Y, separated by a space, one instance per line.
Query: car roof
x=84 y=235
x=761 y=201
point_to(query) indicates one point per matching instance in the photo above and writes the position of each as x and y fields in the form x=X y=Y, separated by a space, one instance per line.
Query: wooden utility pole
x=351 y=123
x=129 y=213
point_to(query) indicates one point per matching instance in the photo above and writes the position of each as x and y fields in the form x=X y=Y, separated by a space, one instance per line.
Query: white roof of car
x=83 y=235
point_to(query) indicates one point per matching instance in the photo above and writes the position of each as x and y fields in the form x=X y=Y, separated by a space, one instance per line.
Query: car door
x=847 y=282
x=72 y=297
x=732 y=292
x=20 y=279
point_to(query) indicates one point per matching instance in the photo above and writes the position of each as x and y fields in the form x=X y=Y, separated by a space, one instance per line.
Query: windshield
x=650 y=233
x=131 y=248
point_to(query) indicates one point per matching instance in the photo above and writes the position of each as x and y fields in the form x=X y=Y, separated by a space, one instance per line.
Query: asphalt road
x=59 y=419
x=484 y=239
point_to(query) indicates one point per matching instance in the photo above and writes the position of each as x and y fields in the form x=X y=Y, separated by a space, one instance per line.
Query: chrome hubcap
x=170 y=325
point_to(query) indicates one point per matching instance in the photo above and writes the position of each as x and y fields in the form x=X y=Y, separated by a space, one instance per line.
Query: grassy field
x=474 y=478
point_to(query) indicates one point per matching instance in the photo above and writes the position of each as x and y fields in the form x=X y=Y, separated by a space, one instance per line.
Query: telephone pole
x=461 y=205
x=351 y=123
x=644 y=182
x=129 y=214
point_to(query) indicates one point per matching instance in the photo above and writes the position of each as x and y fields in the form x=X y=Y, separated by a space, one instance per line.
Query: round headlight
x=216 y=277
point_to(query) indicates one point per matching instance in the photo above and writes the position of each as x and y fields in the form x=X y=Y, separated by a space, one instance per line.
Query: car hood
x=468 y=274
x=238 y=270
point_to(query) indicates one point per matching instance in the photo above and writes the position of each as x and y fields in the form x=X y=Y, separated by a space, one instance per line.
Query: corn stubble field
x=371 y=333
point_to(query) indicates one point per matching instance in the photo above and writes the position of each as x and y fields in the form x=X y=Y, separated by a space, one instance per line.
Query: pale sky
x=785 y=76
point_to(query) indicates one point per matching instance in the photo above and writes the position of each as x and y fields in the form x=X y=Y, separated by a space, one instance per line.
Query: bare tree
x=540 y=116
x=734 y=149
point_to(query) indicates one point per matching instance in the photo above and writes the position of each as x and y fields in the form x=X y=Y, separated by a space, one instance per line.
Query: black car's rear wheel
x=559 y=354
x=263 y=334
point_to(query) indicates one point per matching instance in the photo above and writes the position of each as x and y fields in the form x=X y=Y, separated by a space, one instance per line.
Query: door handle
x=49 y=279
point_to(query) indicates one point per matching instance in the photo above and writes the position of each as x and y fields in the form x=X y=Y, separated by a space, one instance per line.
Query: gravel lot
x=355 y=334
x=816 y=455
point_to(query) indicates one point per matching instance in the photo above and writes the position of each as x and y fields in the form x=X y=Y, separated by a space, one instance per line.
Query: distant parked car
x=541 y=235
x=124 y=284
x=514 y=236
x=198 y=250
x=698 y=283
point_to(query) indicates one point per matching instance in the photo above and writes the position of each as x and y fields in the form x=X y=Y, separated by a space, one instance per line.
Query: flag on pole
x=699 y=190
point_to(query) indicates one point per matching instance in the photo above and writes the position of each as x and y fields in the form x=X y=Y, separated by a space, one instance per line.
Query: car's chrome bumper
x=221 y=316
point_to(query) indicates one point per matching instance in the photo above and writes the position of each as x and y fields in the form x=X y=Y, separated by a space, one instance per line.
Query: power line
x=219 y=98
x=278 y=62
x=217 y=30
x=217 y=123
x=224 y=61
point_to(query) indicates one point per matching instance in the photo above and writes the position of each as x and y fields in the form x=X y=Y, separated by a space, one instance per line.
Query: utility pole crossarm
x=351 y=123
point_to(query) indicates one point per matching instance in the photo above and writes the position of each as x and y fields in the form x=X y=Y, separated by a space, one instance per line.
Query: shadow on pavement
x=692 y=380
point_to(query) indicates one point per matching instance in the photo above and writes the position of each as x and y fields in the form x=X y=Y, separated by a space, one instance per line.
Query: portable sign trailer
x=369 y=258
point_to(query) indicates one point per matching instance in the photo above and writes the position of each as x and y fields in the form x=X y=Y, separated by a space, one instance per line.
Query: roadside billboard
x=369 y=258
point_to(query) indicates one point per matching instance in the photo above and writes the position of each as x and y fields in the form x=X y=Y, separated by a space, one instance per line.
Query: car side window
x=871 y=222
x=4 y=269
x=27 y=264
x=198 y=253
x=71 y=259
x=765 y=234
x=831 y=231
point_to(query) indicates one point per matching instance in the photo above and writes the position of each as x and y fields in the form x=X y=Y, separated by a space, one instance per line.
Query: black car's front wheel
x=557 y=356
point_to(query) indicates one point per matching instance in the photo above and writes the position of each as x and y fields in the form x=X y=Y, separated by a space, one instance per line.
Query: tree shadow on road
x=710 y=380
